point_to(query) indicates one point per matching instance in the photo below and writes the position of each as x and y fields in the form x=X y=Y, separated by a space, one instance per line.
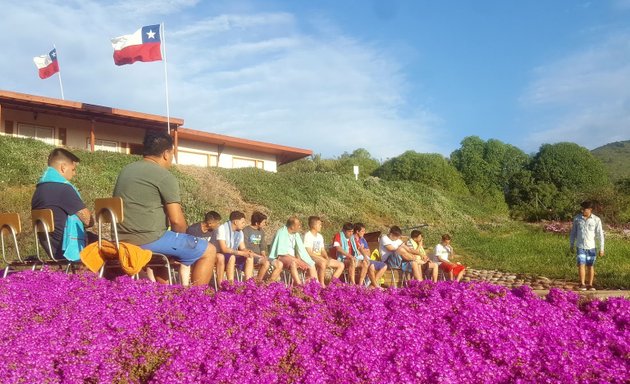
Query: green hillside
x=483 y=232
x=616 y=159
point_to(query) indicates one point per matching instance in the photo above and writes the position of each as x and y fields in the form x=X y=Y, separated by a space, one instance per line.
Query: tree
x=361 y=157
x=569 y=166
x=428 y=168
x=491 y=169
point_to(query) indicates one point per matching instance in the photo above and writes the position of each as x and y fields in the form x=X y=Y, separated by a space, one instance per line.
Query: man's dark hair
x=212 y=216
x=347 y=227
x=312 y=220
x=415 y=233
x=446 y=236
x=258 y=217
x=60 y=154
x=236 y=215
x=395 y=230
x=587 y=204
x=358 y=227
x=292 y=220
x=156 y=142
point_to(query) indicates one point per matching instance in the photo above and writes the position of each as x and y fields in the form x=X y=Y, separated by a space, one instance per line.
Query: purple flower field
x=80 y=329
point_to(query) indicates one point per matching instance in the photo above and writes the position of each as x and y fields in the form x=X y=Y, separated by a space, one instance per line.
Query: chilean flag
x=142 y=45
x=47 y=64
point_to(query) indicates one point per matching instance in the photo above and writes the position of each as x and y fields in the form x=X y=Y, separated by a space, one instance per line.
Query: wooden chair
x=11 y=225
x=43 y=222
x=110 y=210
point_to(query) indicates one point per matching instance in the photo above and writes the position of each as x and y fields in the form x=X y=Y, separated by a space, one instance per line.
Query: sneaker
x=582 y=287
x=591 y=288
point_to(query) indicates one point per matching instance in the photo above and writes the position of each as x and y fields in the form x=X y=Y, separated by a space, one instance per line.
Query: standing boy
x=586 y=229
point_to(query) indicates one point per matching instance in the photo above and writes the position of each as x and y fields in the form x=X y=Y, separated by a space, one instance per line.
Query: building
x=94 y=127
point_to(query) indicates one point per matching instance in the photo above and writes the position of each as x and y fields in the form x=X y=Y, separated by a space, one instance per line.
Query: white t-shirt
x=443 y=251
x=383 y=242
x=221 y=234
x=292 y=243
x=316 y=242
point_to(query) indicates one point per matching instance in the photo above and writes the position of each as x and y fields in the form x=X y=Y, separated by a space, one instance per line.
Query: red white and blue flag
x=47 y=65
x=142 y=45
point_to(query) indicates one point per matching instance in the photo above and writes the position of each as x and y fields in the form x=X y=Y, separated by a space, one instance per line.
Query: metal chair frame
x=43 y=221
x=110 y=210
x=10 y=222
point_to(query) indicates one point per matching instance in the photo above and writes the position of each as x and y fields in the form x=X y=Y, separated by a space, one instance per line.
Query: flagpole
x=168 y=112
x=59 y=73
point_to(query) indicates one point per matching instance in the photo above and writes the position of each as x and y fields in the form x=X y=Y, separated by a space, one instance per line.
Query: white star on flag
x=151 y=34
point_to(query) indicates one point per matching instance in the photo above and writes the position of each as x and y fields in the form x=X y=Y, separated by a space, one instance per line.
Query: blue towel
x=74 y=232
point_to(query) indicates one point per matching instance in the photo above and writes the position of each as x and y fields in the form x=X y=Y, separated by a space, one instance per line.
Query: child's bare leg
x=277 y=270
x=339 y=267
x=184 y=274
x=229 y=268
x=263 y=267
x=379 y=276
x=220 y=268
x=249 y=268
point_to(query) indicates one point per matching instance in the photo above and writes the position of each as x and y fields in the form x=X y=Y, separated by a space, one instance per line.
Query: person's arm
x=86 y=217
x=572 y=235
x=176 y=217
x=340 y=250
x=263 y=244
x=599 y=234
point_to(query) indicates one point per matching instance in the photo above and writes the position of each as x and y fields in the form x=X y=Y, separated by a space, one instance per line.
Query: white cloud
x=254 y=75
x=584 y=97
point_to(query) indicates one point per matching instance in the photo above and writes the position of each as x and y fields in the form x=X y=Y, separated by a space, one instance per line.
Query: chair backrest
x=43 y=222
x=108 y=210
x=10 y=224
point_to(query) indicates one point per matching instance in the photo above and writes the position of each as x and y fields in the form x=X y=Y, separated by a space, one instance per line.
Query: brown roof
x=283 y=153
x=74 y=109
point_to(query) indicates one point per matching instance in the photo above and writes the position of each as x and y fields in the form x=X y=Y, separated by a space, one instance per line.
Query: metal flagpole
x=168 y=112
x=59 y=73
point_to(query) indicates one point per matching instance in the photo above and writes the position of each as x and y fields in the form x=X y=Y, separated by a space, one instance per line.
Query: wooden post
x=176 y=144
x=92 y=138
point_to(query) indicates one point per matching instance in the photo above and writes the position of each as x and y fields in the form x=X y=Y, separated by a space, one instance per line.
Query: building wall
x=207 y=155
x=73 y=133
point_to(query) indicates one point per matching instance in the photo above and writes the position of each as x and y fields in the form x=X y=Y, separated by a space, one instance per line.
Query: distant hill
x=616 y=159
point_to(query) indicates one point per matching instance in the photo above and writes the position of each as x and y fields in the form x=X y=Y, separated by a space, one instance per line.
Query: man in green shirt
x=151 y=202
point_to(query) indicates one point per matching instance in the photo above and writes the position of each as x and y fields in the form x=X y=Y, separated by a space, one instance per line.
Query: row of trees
x=546 y=185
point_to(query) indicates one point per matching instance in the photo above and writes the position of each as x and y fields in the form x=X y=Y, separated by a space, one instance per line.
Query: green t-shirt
x=145 y=188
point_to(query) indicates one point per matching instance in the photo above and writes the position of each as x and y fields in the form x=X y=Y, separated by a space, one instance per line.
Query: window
x=239 y=162
x=45 y=134
x=192 y=158
x=103 y=145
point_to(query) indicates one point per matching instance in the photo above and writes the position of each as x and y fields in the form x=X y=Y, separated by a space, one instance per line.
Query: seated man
x=203 y=229
x=376 y=269
x=151 y=201
x=54 y=191
x=314 y=244
x=396 y=254
x=416 y=247
x=443 y=252
x=255 y=240
x=283 y=248
x=345 y=249
x=230 y=242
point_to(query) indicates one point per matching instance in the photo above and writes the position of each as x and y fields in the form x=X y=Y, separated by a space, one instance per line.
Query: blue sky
x=333 y=76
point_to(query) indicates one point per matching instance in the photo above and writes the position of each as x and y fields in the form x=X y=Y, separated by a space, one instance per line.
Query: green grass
x=482 y=231
x=525 y=248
